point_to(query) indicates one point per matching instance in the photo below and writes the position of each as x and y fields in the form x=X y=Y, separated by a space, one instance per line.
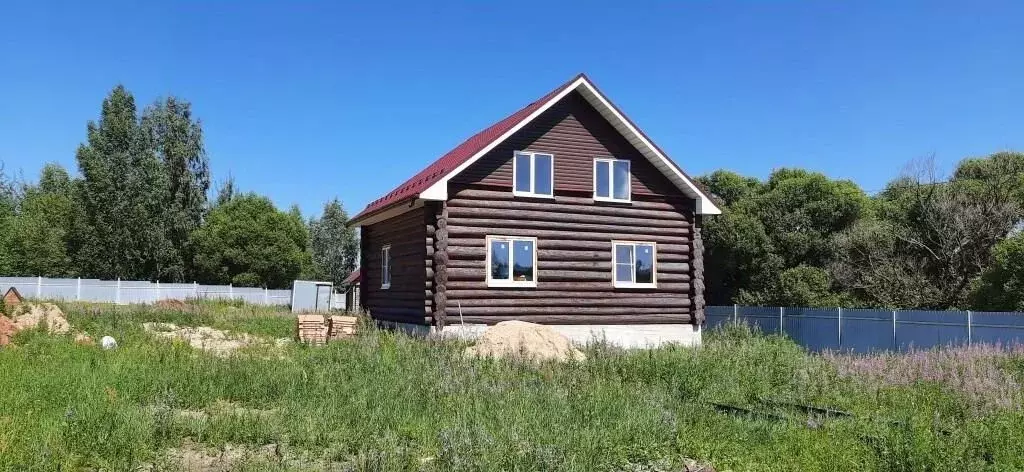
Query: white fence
x=124 y=292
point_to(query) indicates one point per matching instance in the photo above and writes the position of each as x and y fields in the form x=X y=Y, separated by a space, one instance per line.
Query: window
x=633 y=264
x=533 y=174
x=511 y=262
x=385 y=267
x=611 y=180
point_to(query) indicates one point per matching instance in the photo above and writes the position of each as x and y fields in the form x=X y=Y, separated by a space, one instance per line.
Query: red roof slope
x=352 y=278
x=436 y=171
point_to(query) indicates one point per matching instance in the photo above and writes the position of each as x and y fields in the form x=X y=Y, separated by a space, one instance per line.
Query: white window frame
x=385 y=267
x=654 y=270
x=533 y=174
x=611 y=180
x=491 y=282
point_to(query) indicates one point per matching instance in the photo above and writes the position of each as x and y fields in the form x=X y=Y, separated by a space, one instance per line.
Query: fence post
x=39 y=287
x=969 y=327
x=266 y=296
x=840 y=326
x=117 y=294
x=231 y=291
x=781 y=311
x=157 y=290
x=78 y=290
x=735 y=313
x=195 y=290
x=895 y=345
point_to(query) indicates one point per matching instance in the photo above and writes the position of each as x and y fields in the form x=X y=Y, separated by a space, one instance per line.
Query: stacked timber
x=311 y=329
x=341 y=327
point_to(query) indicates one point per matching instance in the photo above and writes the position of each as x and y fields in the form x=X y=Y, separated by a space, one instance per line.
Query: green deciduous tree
x=123 y=196
x=334 y=246
x=177 y=140
x=247 y=241
x=1001 y=286
x=40 y=233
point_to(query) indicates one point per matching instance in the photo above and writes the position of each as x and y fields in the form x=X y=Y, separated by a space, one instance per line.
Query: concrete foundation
x=625 y=336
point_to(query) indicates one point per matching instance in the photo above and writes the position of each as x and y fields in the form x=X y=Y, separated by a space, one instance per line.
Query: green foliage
x=1001 y=286
x=247 y=241
x=769 y=228
x=41 y=231
x=334 y=245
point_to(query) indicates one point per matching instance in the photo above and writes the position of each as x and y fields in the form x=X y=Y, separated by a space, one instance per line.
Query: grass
x=384 y=402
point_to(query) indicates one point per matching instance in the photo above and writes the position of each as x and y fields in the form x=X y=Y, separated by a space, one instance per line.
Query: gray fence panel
x=98 y=291
x=867 y=330
x=716 y=316
x=997 y=327
x=765 y=319
x=137 y=291
x=927 y=329
x=815 y=328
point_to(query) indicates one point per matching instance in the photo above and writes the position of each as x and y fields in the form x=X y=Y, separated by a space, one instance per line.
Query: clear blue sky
x=306 y=101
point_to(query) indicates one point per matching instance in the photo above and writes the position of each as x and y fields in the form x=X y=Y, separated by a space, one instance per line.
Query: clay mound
x=519 y=339
x=32 y=315
x=7 y=329
x=172 y=304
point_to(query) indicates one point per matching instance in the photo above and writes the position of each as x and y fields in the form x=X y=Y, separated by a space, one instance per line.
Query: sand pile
x=48 y=315
x=524 y=340
x=209 y=339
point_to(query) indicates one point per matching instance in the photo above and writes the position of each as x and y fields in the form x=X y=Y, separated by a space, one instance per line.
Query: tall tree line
x=140 y=210
x=926 y=241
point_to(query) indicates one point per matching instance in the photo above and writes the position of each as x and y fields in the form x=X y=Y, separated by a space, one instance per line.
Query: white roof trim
x=439 y=190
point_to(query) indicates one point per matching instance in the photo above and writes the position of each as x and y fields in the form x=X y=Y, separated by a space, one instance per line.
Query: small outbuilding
x=12 y=298
x=351 y=288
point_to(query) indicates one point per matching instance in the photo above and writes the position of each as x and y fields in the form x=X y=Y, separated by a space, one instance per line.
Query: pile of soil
x=519 y=339
x=7 y=329
x=215 y=341
x=172 y=305
x=32 y=315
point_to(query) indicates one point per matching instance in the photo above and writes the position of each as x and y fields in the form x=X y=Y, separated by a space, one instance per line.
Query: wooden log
x=477 y=194
x=581 y=209
x=623 y=218
x=479 y=253
x=566 y=310
x=440 y=257
x=605 y=292
x=623 y=304
x=572 y=245
x=479 y=232
x=698 y=273
x=663 y=286
x=665 y=318
x=568 y=224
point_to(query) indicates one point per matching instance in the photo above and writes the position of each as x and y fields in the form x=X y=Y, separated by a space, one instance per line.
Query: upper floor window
x=611 y=180
x=533 y=174
x=633 y=264
x=511 y=262
x=385 y=267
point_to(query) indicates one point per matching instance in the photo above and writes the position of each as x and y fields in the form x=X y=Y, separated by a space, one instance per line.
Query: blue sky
x=307 y=101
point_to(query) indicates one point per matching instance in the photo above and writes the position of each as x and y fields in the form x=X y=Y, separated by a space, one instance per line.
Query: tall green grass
x=384 y=401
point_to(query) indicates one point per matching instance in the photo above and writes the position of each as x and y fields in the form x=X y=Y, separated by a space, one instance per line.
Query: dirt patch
x=194 y=457
x=215 y=341
x=173 y=305
x=48 y=315
x=519 y=339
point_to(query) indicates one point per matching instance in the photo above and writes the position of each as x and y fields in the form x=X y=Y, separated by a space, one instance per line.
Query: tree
x=249 y=242
x=1001 y=286
x=334 y=246
x=933 y=238
x=39 y=234
x=8 y=203
x=123 y=196
x=177 y=140
x=226 y=191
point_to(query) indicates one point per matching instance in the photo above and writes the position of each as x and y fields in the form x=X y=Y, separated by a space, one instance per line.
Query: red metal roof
x=436 y=171
x=352 y=278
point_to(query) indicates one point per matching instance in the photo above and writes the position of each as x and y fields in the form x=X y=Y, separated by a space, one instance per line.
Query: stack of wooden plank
x=341 y=326
x=311 y=329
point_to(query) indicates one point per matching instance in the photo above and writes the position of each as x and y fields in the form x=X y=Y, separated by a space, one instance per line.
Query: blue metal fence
x=867 y=330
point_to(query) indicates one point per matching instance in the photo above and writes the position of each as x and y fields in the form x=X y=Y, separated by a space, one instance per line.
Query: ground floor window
x=633 y=264
x=511 y=261
x=385 y=267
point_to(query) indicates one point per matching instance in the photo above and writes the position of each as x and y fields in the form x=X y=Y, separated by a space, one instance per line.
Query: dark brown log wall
x=410 y=297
